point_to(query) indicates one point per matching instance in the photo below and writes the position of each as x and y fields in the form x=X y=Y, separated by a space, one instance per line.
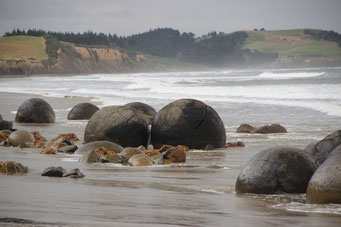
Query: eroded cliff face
x=74 y=59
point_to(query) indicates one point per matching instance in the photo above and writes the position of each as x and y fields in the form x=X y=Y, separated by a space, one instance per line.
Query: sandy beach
x=199 y=192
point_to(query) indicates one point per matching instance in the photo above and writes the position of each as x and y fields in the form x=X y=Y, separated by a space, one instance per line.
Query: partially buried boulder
x=6 y=125
x=274 y=128
x=86 y=148
x=322 y=149
x=35 y=110
x=188 y=122
x=325 y=185
x=82 y=111
x=140 y=160
x=119 y=124
x=128 y=152
x=20 y=137
x=144 y=110
x=245 y=128
x=276 y=170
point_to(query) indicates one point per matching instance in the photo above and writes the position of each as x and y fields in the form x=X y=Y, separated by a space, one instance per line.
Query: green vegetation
x=291 y=43
x=293 y=32
x=28 y=47
x=52 y=46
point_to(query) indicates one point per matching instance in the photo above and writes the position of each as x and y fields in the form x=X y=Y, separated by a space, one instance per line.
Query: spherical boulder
x=245 y=128
x=82 y=111
x=118 y=124
x=6 y=125
x=276 y=170
x=20 y=136
x=188 y=122
x=274 y=128
x=325 y=185
x=145 y=110
x=322 y=149
x=35 y=110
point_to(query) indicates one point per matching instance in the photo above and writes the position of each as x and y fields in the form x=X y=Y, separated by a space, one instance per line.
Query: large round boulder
x=325 y=185
x=188 y=122
x=82 y=111
x=118 y=124
x=20 y=136
x=145 y=110
x=276 y=170
x=35 y=110
x=274 y=128
x=322 y=149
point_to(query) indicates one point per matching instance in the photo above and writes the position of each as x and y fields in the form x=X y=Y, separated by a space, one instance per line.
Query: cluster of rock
x=109 y=152
x=11 y=167
x=266 y=129
x=315 y=171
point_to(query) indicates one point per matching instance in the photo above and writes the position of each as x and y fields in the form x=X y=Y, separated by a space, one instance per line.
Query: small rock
x=20 y=136
x=140 y=160
x=128 y=152
x=54 y=172
x=274 y=128
x=68 y=149
x=235 y=144
x=12 y=167
x=48 y=150
x=97 y=144
x=245 y=128
x=92 y=157
x=176 y=154
x=75 y=173
x=39 y=140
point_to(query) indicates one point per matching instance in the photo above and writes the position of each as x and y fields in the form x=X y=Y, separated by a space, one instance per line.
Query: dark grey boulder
x=325 y=185
x=188 y=122
x=1 y=118
x=118 y=124
x=144 y=110
x=82 y=111
x=274 y=128
x=245 y=128
x=322 y=149
x=35 y=110
x=276 y=170
x=6 y=125
x=54 y=172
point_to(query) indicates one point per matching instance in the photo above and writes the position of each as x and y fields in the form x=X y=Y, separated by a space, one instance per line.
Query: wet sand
x=197 y=193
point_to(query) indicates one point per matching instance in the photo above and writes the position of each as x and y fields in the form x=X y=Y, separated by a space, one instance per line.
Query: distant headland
x=164 y=49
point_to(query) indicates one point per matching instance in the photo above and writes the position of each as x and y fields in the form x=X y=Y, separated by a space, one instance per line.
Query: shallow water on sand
x=199 y=192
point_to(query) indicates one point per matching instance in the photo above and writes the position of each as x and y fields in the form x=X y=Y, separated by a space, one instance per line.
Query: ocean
x=307 y=102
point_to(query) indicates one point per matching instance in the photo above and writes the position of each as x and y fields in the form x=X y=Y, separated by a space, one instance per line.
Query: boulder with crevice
x=118 y=124
x=325 y=185
x=144 y=110
x=188 y=122
x=323 y=148
x=277 y=170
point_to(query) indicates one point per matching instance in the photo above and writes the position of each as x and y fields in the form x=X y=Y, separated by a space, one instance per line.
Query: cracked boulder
x=325 y=185
x=277 y=170
x=118 y=124
x=188 y=122
x=145 y=110
x=35 y=110
x=322 y=149
x=82 y=111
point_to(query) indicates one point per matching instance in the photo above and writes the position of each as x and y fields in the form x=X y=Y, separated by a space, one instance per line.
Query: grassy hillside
x=290 y=43
x=23 y=47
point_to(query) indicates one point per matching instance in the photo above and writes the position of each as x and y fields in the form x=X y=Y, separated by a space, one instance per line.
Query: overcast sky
x=125 y=17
